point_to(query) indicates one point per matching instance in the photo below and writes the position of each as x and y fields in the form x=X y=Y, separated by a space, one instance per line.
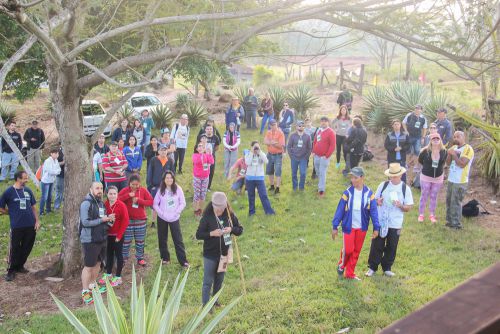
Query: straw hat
x=395 y=169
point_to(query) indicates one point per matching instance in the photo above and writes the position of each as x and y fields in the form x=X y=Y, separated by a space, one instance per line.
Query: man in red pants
x=355 y=209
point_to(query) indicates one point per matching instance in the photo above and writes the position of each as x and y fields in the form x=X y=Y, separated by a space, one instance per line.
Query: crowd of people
x=109 y=224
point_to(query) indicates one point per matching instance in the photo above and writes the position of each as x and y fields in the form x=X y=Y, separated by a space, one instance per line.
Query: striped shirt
x=116 y=162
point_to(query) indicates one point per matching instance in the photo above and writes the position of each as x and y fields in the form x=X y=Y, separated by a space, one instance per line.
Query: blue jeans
x=302 y=166
x=11 y=160
x=415 y=145
x=238 y=184
x=261 y=188
x=46 y=198
x=59 y=190
x=265 y=119
x=210 y=278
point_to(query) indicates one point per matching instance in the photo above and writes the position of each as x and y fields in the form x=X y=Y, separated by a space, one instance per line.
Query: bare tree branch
x=492 y=31
x=31 y=4
x=305 y=33
x=9 y=64
x=176 y=19
x=150 y=11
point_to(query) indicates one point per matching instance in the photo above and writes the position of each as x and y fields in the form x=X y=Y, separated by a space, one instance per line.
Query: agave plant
x=7 y=112
x=437 y=101
x=156 y=315
x=162 y=116
x=241 y=91
x=489 y=161
x=278 y=95
x=402 y=97
x=301 y=99
x=125 y=112
x=196 y=113
x=181 y=101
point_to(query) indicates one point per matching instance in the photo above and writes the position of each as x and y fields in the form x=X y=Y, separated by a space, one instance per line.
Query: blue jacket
x=134 y=158
x=231 y=116
x=344 y=214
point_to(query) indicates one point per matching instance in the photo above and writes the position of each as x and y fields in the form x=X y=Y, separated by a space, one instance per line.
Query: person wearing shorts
x=93 y=235
x=275 y=141
x=202 y=160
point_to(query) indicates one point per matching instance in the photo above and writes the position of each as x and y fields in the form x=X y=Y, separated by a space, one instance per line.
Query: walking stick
x=236 y=248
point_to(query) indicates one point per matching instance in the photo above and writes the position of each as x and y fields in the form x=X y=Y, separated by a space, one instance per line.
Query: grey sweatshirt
x=299 y=146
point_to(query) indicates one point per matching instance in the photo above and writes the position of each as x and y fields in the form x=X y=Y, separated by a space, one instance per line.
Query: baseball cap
x=300 y=123
x=113 y=143
x=357 y=171
x=162 y=147
x=165 y=130
x=419 y=106
x=273 y=121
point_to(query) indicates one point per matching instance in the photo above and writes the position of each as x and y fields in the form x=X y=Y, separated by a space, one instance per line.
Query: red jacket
x=143 y=199
x=121 y=218
x=326 y=145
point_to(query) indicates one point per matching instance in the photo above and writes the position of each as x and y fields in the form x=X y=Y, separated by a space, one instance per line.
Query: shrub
x=162 y=116
x=241 y=91
x=181 y=101
x=196 y=113
x=384 y=104
x=301 y=99
x=156 y=315
x=261 y=75
x=126 y=112
x=278 y=95
x=7 y=113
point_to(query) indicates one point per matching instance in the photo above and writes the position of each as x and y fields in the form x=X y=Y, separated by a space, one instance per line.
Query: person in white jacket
x=231 y=142
x=254 y=178
x=50 y=170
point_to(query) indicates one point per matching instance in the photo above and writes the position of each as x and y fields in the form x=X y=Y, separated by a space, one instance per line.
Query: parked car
x=143 y=101
x=93 y=115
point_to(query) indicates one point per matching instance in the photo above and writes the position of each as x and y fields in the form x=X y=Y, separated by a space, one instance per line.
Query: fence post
x=341 y=75
x=361 y=78
x=322 y=77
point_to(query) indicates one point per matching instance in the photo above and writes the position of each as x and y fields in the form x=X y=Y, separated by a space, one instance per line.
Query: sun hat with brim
x=395 y=169
x=219 y=200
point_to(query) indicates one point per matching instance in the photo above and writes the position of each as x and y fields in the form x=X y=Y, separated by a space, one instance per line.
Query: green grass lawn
x=293 y=286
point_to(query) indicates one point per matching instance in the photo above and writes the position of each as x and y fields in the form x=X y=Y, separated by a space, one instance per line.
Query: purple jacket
x=169 y=206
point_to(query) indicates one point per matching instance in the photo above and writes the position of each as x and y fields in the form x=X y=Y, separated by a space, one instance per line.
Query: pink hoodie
x=199 y=159
x=169 y=206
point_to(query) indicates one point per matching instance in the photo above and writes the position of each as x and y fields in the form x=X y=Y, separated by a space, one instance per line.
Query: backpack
x=416 y=181
x=367 y=154
x=386 y=183
x=471 y=209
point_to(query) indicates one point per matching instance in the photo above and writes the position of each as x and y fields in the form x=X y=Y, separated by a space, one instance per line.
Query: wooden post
x=432 y=89
x=361 y=78
x=322 y=76
x=341 y=75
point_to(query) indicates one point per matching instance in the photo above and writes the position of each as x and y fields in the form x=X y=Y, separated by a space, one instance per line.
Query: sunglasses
x=436 y=139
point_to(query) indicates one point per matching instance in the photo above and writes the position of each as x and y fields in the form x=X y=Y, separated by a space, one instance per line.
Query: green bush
x=156 y=315
x=384 y=104
x=241 y=91
x=301 y=99
x=278 y=95
x=7 y=113
x=261 y=75
x=125 y=112
x=181 y=101
x=162 y=116
x=196 y=113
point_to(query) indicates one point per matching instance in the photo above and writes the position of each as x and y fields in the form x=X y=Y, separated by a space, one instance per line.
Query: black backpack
x=471 y=209
x=367 y=154
x=386 y=183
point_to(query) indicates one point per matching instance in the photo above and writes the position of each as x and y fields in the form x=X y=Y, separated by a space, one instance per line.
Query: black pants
x=114 y=249
x=340 y=146
x=175 y=229
x=179 y=158
x=383 y=250
x=354 y=159
x=211 y=176
x=21 y=244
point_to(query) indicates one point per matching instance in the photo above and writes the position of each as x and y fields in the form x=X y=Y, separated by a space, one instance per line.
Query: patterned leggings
x=200 y=188
x=135 y=230
x=429 y=190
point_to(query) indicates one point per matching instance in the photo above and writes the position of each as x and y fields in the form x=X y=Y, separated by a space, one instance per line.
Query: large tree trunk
x=65 y=96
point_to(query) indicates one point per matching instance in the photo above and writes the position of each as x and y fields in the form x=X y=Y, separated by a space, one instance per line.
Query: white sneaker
x=389 y=273
x=370 y=273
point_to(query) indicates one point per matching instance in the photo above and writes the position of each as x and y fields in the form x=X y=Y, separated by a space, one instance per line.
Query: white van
x=143 y=101
x=93 y=114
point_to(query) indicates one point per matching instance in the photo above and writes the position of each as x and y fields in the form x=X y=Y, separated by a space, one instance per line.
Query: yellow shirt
x=457 y=173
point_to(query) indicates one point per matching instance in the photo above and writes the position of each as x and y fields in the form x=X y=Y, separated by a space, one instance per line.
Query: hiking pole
x=236 y=248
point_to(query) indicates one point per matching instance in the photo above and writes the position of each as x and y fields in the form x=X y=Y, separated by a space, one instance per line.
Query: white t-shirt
x=356 y=208
x=96 y=160
x=388 y=211
x=181 y=135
